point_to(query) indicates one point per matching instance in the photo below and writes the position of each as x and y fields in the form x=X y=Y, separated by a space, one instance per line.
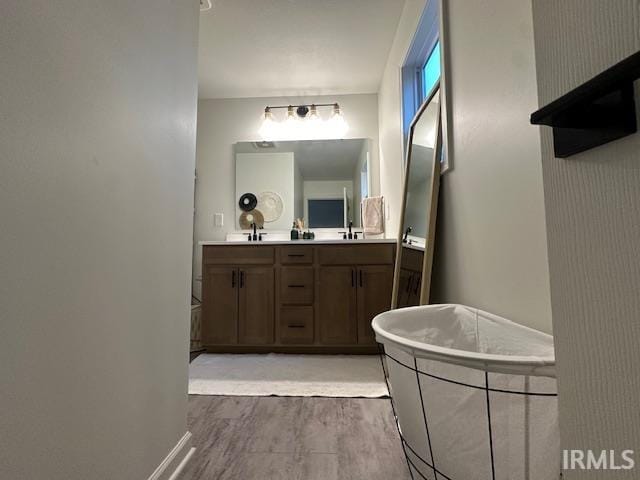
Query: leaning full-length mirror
x=417 y=232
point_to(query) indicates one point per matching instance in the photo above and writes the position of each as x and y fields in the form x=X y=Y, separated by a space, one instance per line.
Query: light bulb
x=291 y=116
x=269 y=126
x=314 y=124
x=292 y=125
x=337 y=126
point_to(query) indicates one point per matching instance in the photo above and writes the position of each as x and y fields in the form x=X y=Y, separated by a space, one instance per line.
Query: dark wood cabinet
x=410 y=283
x=409 y=288
x=220 y=305
x=296 y=325
x=256 y=315
x=305 y=298
x=238 y=305
x=350 y=297
x=337 y=307
x=404 y=287
x=374 y=296
x=296 y=285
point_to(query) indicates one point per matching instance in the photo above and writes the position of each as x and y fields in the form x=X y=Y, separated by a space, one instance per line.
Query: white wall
x=224 y=122
x=262 y=172
x=390 y=116
x=491 y=249
x=357 y=182
x=593 y=217
x=97 y=121
x=298 y=192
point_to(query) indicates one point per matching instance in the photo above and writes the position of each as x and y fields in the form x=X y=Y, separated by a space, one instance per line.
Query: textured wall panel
x=592 y=205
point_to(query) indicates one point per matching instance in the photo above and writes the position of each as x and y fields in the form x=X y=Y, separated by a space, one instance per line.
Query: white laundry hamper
x=474 y=394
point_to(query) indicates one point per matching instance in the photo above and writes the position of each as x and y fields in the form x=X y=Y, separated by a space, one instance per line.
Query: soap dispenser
x=294 y=232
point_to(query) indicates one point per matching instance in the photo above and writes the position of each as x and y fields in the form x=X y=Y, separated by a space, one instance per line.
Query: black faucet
x=255 y=234
x=350 y=233
x=406 y=234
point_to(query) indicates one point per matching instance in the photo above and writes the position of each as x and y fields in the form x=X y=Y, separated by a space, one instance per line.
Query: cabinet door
x=337 y=311
x=405 y=284
x=256 y=318
x=220 y=305
x=416 y=287
x=374 y=297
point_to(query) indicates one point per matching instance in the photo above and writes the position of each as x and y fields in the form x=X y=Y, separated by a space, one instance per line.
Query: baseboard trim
x=175 y=461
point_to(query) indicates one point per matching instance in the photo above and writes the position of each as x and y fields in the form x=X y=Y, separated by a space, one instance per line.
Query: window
x=430 y=73
x=422 y=69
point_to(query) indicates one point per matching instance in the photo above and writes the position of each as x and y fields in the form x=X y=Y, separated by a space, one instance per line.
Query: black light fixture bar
x=597 y=112
x=304 y=105
x=303 y=110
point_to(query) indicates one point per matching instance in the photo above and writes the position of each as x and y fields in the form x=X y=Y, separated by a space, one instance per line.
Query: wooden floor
x=293 y=438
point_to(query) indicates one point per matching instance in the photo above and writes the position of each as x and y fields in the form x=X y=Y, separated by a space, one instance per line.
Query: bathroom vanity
x=295 y=296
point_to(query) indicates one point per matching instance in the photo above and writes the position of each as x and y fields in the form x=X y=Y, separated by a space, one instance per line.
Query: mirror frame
x=425 y=287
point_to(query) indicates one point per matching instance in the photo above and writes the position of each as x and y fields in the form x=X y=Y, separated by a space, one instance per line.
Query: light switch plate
x=218 y=220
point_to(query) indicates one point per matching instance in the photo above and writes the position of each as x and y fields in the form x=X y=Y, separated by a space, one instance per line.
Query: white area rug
x=287 y=375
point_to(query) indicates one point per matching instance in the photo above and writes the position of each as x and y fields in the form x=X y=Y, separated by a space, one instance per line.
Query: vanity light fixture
x=304 y=122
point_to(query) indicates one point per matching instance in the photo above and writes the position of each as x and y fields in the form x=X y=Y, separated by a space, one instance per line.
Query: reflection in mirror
x=422 y=180
x=320 y=181
x=419 y=175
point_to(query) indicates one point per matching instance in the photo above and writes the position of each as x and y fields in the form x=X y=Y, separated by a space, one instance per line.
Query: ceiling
x=316 y=159
x=264 y=48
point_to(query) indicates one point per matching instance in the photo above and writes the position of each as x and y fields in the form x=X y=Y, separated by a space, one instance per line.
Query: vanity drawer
x=380 y=254
x=238 y=255
x=296 y=325
x=296 y=255
x=296 y=285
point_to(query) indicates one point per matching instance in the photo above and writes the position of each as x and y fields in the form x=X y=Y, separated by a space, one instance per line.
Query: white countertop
x=300 y=242
x=413 y=247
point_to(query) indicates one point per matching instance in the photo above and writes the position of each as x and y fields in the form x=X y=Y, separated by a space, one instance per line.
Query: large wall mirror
x=320 y=181
x=416 y=238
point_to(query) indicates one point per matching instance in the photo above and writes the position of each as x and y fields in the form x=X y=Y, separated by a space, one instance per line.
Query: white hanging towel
x=372 y=215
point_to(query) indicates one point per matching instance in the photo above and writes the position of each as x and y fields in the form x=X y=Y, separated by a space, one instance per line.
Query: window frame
x=430 y=31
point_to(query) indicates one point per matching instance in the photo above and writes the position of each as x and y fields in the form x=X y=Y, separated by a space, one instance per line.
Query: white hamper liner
x=474 y=394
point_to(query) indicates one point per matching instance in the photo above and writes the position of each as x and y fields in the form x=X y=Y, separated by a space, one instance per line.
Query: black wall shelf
x=597 y=112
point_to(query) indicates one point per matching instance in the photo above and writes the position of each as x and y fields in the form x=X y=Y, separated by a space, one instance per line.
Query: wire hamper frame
x=520 y=440
x=437 y=474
